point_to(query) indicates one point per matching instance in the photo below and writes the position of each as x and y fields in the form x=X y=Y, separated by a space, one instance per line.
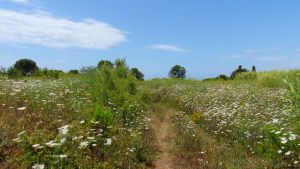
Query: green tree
x=177 y=72
x=137 y=74
x=26 y=66
x=105 y=62
x=74 y=71
x=121 y=68
x=239 y=70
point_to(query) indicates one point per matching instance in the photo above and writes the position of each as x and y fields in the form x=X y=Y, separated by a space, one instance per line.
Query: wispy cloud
x=237 y=56
x=271 y=49
x=273 y=58
x=298 y=50
x=44 y=29
x=168 y=47
x=252 y=50
x=18 y=1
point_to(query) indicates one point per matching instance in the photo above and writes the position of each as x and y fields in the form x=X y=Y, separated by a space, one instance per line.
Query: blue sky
x=207 y=37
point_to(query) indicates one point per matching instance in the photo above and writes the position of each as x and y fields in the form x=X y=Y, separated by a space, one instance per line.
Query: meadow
x=241 y=123
x=103 y=118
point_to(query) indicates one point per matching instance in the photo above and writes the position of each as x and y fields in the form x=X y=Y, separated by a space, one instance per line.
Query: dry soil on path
x=162 y=127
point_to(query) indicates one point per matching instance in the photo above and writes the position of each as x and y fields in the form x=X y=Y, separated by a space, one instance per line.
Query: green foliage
x=246 y=76
x=239 y=70
x=294 y=97
x=120 y=63
x=121 y=68
x=223 y=77
x=274 y=79
x=48 y=73
x=88 y=70
x=177 y=72
x=137 y=74
x=13 y=73
x=74 y=71
x=271 y=143
x=132 y=88
x=105 y=120
x=25 y=66
x=106 y=63
x=103 y=115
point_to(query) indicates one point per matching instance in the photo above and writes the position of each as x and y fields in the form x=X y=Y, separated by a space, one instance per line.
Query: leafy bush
x=25 y=66
x=13 y=73
x=223 y=77
x=74 y=71
x=239 y=70
x=106 y=63
x=132 y=88
x=246 y=76
x=103 y=115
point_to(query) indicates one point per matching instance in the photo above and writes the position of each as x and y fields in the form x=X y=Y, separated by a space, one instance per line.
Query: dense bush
x=74 y=71
x=13 y=73
x=25 y=66
x=239 y=70
x=106 y=63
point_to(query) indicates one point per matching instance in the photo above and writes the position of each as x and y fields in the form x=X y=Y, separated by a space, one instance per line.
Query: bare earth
x=163 y=134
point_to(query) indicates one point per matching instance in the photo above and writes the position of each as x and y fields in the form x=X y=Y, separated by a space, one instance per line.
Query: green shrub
x=103 y=115
x=132 y=88
x=246 y=76
x=74 y=71
x=13 y=73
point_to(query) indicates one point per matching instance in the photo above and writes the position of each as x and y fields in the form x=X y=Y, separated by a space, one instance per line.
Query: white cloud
x=44 y=29
x=273 y=58
x=18 y=1
x=168 y=48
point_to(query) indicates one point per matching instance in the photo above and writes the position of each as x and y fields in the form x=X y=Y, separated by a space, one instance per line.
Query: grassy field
x=242 y=123
x=103 y=118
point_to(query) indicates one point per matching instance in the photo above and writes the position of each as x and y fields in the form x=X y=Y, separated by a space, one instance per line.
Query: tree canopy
x=177 y=72
x=137 y=74
x=25 y=66
x=105 y=62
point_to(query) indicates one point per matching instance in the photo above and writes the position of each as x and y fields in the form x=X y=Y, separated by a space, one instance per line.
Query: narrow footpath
x=161 y=125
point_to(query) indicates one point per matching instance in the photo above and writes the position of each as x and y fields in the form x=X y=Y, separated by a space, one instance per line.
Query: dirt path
x=161 y=124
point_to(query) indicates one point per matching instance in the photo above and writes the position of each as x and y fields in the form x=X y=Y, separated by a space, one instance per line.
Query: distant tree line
x=237 y=73
x=28 y=67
